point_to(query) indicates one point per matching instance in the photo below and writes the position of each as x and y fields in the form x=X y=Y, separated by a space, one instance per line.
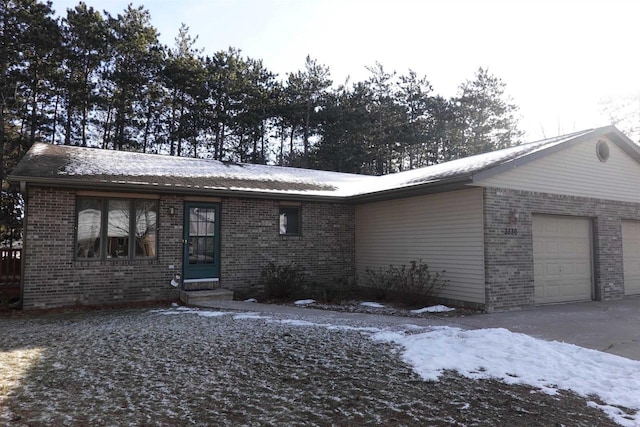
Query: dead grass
x=140 y=367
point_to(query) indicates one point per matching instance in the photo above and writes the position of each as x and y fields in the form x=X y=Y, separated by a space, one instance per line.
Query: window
x=289 y=220
x=116 y=228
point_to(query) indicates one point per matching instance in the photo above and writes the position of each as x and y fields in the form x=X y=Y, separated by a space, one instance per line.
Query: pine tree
x=346 y=129
x=486 y=118
x=305 y=91
x=85 y=43
x=184 y=76
x=136 y=60
x=388 y=116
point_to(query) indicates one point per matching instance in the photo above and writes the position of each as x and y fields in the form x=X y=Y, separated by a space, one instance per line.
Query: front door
x=201 y=242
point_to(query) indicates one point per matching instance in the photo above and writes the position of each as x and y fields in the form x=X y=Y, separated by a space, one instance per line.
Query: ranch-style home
x=551 y=221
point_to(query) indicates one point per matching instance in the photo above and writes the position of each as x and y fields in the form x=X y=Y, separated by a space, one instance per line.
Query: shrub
x=415 y=283
x=281 y=280
x=338 y=290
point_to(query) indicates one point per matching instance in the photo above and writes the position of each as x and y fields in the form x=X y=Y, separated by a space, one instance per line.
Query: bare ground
x=141 y=367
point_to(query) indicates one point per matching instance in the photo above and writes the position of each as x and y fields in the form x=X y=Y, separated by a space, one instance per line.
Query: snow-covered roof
x=67 y=165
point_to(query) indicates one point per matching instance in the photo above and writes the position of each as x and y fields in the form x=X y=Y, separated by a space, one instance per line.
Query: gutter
x=440 y=186
x=170 y=189
x=455 y=183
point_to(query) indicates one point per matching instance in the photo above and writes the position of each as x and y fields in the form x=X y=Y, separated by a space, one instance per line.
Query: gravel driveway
x=161 y=367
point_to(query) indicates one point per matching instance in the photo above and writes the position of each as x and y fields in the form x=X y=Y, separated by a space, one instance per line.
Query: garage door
x=631 y=256
x=562 y=258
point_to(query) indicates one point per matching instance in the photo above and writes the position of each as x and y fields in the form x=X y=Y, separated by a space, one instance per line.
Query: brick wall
x=249 y=240
x=509 y=257
x=325 y=247
x=52 y=278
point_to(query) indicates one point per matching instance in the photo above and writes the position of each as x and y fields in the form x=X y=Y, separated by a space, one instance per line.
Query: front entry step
x=200 y=298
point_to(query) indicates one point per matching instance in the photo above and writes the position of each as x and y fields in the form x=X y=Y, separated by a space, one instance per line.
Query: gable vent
x=602 y=150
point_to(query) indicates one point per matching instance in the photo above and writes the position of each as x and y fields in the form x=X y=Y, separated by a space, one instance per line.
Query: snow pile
x=249 y=316
x=187 y=310
x=305 y=302
x=371 y=304
x=520 y=359
x=433 y=309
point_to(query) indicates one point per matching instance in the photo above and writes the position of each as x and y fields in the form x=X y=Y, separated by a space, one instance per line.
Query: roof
x=60 y=165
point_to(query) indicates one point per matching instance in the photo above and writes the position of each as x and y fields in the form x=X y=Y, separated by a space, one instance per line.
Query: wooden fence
x=10 y=260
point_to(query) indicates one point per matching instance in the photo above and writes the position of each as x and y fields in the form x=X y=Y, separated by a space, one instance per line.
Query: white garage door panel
x=562 y=258
x=631 y=256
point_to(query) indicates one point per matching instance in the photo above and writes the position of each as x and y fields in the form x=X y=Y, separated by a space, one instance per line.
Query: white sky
x=558 y=58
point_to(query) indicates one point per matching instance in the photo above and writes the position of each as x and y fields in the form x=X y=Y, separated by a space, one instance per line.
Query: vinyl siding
x=576 y=171
x=444 y=230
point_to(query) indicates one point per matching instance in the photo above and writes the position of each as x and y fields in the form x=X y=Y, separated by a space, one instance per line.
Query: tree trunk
x=55 y=118
x=67 y=126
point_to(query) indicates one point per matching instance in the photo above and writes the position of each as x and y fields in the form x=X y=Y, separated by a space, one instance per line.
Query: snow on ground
x=433 y=309
x=371 y=304
x=513 y=358
x=305 y=302
x=183 y=365
x=516 y=358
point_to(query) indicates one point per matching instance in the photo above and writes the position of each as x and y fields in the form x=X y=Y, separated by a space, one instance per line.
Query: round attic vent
x=602 y=150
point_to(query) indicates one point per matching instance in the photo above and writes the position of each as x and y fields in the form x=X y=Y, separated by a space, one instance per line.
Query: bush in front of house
x=338 y=290
x=411 y=284
x=281 y=281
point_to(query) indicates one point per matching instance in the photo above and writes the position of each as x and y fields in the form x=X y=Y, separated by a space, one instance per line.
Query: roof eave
x=172 y=189
x=440 y=186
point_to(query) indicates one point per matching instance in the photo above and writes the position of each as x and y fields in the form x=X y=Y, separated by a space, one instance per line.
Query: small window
x=116 y=228
x=602 y=150
x=289 y=220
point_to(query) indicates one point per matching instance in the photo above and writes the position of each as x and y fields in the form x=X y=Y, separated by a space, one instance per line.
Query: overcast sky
x=559 y=58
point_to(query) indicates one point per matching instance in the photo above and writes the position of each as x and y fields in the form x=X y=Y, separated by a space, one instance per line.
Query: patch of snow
x=251 y=300
x=297 y=322
x=616 y=414
x=251 y=316
x=210 y=313
x=433 y=309
x=188 y=310
x=134 y=167
x=305 y=302
x=371 y=304
x=516 y=358
x=37 y=149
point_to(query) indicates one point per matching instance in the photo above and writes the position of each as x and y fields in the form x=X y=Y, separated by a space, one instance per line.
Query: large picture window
x=116 y=228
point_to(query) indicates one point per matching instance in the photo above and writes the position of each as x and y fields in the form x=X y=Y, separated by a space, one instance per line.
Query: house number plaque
x=512 y=223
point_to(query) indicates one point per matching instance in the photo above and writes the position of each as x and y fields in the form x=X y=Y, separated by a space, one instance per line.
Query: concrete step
x=200 y=298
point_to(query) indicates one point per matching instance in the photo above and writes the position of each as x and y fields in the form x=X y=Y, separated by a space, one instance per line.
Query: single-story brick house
x=556 y=220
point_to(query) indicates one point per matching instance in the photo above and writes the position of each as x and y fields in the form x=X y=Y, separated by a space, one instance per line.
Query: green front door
x=201 y=241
